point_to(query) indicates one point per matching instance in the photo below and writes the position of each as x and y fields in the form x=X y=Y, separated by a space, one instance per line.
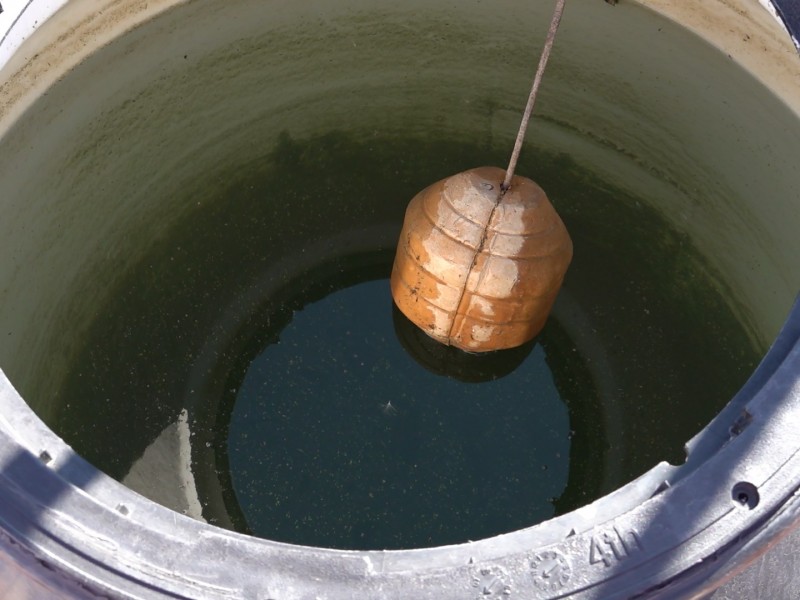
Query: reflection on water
x=339 y=438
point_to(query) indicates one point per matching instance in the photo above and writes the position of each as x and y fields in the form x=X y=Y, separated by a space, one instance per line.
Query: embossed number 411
x=613 y=546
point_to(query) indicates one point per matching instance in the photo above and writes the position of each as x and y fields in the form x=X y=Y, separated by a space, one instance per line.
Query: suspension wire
x=537 y=80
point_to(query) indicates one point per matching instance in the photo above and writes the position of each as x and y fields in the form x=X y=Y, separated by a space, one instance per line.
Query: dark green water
x=336 y=418
x=217 y=321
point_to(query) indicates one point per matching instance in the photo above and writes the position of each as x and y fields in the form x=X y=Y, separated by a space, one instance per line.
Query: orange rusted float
x=477 y=268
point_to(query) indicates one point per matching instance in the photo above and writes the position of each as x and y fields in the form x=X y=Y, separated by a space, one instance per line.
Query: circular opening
x=181 y=200
x=632 y=325
x=745 y=495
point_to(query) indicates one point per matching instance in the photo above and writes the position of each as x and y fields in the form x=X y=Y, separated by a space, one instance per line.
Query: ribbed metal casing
x=476 y=269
